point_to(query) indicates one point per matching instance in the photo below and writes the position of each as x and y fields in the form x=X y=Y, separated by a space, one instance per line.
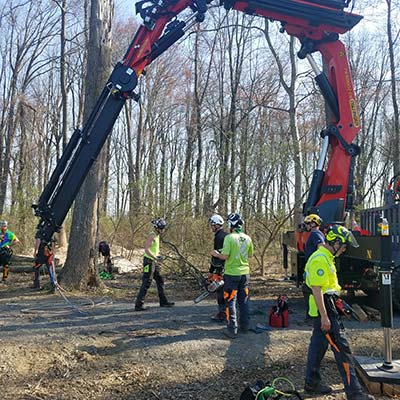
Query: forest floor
x=100 y=348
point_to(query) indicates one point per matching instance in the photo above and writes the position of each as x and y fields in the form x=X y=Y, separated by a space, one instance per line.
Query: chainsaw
x=212 y=285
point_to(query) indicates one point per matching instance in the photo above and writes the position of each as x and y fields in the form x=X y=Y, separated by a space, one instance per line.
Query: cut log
x=361 y=315
x=27 y=268
x=17 y=259
x=22 y=259
x=373 y=313
x=370 y=310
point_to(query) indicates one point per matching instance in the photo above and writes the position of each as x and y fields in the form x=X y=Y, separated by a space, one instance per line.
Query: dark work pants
x=236 y=289
x=221 y=300
x=151 y=271
x=36 y=275
x=5 y=257
x=341 y=350
x=219 y=270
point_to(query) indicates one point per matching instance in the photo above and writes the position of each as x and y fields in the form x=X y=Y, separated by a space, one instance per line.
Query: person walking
x=43 y=254
x=216 y=223
x=237 y=249
x=321 y=278
x=316 y=238
x=151 y=267
x=7 y=240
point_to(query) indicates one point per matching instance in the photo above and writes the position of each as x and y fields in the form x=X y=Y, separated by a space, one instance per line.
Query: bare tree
x=290 y=89
x=81 y=252
x=31 y=28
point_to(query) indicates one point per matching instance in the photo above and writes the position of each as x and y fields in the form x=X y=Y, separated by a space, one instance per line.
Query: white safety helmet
x=216 y=220
x=3 y=224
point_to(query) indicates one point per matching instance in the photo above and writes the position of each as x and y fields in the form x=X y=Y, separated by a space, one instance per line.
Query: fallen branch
x=193 y=270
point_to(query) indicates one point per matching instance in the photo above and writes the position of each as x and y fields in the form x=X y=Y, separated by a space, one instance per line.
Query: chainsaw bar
x=203 y=296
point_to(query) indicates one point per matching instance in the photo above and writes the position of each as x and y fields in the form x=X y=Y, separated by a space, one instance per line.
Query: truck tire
x=396 y=288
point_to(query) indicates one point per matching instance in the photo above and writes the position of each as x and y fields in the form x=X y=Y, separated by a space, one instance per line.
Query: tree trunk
x=80 y=256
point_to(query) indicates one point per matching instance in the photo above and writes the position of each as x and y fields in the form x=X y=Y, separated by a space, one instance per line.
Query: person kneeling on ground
x=151 y=267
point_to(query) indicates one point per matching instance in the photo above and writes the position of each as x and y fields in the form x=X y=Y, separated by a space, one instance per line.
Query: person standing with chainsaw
x=237 y=249
x=151 y=267
x=217 y=265
x=321 y=278
x=7 y=240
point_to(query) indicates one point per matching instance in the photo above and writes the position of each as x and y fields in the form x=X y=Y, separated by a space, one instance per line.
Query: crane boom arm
x=316 y=23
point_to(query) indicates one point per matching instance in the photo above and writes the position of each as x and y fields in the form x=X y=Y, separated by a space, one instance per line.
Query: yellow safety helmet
x=313 y=218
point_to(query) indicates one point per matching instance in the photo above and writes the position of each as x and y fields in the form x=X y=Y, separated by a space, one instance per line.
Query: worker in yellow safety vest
x=321 y=278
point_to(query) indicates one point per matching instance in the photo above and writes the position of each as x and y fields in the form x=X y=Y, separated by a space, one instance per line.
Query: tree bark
x=81 y=250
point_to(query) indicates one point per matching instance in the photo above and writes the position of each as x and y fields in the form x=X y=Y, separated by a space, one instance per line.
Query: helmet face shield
x=352 y=241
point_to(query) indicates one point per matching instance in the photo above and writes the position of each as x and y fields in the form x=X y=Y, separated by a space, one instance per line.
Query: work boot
x=219 y=317
x=140 y=307
x=228 y=333
x=317 y=389
x=361 y=396
x=167 y=304
x=5 y=273
x=35 y=286
x=52 y=290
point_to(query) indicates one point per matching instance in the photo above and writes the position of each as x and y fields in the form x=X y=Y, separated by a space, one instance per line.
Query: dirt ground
x=95 y=346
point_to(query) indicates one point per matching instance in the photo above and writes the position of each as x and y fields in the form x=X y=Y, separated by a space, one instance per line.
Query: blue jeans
x=340 y=347
x=236 y=289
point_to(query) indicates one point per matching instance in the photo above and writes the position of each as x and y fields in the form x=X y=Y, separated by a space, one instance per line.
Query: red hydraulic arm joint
x=336 y=189
x=159 y=32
